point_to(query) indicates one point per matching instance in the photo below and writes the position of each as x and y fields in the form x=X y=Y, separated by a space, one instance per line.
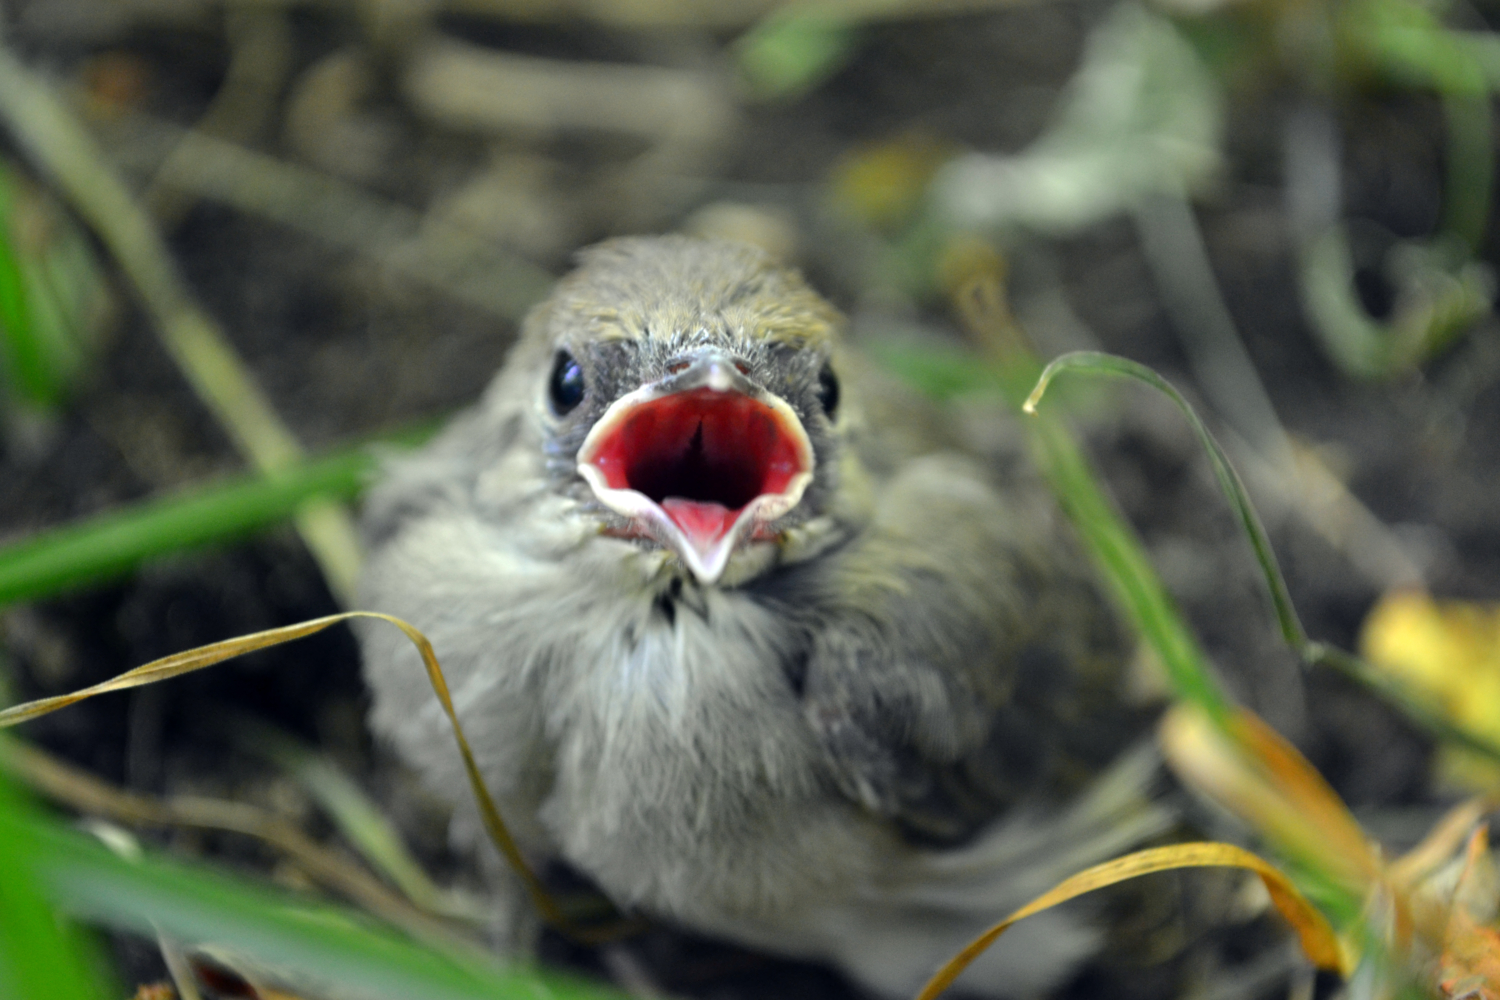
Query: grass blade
x=39 y=955
x=113 y=544
x=202 y=657
x=54 y=139
x=1111 y=542
x=1317 y=937
x=1100 y=363
x=1313 y=654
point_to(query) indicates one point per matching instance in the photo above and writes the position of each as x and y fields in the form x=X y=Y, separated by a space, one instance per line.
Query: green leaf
x=936 y=371
x=53 y=295
x=788 y=54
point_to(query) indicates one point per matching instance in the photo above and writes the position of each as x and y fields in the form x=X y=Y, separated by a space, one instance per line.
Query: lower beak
x=701 y=461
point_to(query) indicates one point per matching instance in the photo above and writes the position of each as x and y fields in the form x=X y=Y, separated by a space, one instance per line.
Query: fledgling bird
x=746 y=645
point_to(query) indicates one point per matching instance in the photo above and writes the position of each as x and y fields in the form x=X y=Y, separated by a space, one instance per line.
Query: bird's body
x=831 y=699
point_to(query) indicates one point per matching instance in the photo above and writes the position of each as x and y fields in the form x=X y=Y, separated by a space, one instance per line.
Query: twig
x=452 y=259
x=260 y=57
x=56 y=141
x=466 y=86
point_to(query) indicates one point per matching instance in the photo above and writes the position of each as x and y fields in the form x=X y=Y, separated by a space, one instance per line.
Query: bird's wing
x=959 y=659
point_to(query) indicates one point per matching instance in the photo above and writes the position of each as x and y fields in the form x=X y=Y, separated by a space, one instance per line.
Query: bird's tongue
x=702 y=523
x=698 y=469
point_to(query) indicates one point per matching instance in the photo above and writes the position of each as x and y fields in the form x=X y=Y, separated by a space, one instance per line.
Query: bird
x=742 y=633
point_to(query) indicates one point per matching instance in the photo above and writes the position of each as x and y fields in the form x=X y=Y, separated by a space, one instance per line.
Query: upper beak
x=699 y=460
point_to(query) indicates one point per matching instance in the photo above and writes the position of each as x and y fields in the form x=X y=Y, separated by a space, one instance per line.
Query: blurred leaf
x=40 y=955
x=54 y=298
x=1412 y=46
x=319 y=945
x=1448 y=651
x=114 y=543
x=937 y=371
x=1426 y=917
x=1141 y=115
x=1253 y=771
x=883 y=183
x=789 y=52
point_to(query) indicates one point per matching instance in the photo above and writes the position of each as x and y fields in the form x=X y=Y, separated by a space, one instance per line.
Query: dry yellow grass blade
x=174 y=666
x=206 y=656
x=1317 y=937
x=1413 y=909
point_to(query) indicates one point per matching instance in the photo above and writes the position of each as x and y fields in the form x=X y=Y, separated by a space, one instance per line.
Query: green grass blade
x=1313 y=654
x=113 y=544
x=1100 y=363
x=1012 y=366
x=1126 y=567
x=315 y=944
x=40 y=956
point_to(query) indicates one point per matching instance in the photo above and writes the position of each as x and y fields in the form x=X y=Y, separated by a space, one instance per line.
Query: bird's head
x=687 y=393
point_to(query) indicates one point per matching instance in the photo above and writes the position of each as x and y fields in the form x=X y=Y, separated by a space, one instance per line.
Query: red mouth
x=701 y=458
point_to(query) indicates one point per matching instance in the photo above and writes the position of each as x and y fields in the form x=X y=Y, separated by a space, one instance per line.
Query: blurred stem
x=59 y=145
x=1294 y=479
x=357 y=817
x=1415 y=46
x=261 y=48
x=1471 y=164
x=454 y=260
x=1179 y=263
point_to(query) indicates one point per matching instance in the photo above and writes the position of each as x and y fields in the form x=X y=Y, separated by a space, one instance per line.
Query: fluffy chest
x=678 y=742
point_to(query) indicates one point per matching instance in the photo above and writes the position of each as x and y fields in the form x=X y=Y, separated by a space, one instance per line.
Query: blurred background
x=238 y=233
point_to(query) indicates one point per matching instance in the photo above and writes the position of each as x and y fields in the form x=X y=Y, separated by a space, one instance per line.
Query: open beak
x=699 y=460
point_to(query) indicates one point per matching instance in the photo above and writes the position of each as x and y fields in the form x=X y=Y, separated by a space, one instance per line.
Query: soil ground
x=347 y=348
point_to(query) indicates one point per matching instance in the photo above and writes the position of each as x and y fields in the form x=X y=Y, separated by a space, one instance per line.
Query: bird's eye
x=828 y=390
x=565 y=387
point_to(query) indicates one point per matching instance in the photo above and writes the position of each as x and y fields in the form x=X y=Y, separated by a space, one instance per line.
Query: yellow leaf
x=1448 y=652
x=883 y=183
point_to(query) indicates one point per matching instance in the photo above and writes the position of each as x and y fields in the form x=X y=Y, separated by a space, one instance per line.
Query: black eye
x=828 y=390
x=565 y=387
